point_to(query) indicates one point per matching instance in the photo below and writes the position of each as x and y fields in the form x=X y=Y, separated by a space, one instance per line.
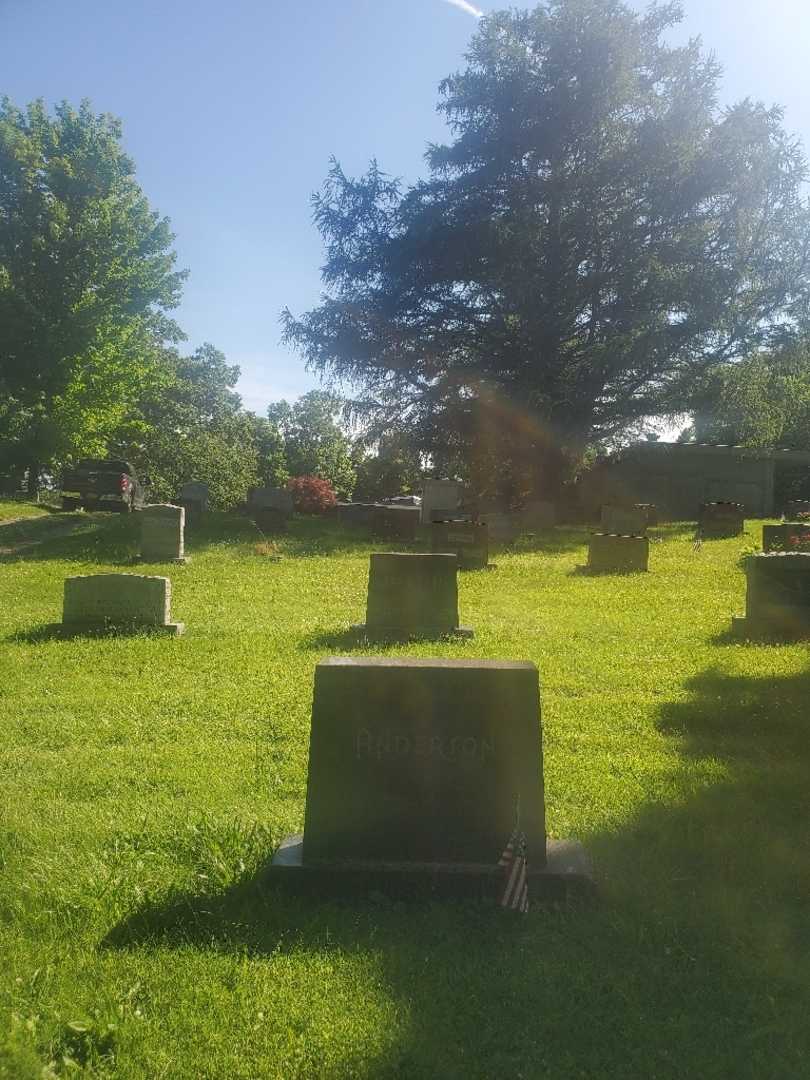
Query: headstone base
x=161 y=559
x=567 y=872
x=396 y=633
x=68 y=630
x=743 y=627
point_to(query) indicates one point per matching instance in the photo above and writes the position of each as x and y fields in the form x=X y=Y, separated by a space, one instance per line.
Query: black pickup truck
x=98 y=484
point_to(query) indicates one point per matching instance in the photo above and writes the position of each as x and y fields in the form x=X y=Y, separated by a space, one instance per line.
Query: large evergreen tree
x=596 y=236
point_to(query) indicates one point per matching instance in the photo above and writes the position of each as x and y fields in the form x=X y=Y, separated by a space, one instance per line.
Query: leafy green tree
x=190 y=425
x=315 y=444
x=597 y=236
x=87 y=275
x=390 y=468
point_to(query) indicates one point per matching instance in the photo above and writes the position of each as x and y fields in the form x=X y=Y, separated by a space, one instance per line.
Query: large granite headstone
x=412 y=596
x=721 y=520
x=468 y=540
x=162 y=533
x=441 y=500
x=270 y=498
x=396 y=522
x=796 y=507
x=608 y=553
x=94 y=602
x=782 y=537
x=622 y=521
x=777 y=599
x=419 y=770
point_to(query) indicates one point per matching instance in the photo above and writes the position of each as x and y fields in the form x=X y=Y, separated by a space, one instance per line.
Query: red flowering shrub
x=311 y=494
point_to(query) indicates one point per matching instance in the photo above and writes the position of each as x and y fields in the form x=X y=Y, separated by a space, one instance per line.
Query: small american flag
x=513 y=862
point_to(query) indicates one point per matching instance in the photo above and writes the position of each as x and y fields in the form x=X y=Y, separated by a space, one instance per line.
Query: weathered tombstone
x=356 y=515
x=783 y=537
x=194 y=497
x=419 y=771
x=608 y=553
x=650 y=511
x=95 y=602
x=162 y=533
x=468 y=540
x=623 y=522
x=503 y=528
x=412 y=596
x=720 y=520
x=396 y=522
x=538 y=515
x=270 y=498
x=777 y=599
x=441 y=500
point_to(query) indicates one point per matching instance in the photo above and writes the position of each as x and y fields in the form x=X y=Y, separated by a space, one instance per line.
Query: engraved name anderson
x=388 y=744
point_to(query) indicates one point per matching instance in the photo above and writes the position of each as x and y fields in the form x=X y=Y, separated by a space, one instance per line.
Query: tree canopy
x=597 y=236
x=87 y=275
x=314 y=442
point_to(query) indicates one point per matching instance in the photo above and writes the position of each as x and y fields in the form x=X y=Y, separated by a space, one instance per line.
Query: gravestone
x=468 y=540
x=396 y=522
x=782 y=537
x=412 y=596
x=162 y=533
x=95 y=602
x=356 y=515
x=538 y=515
x=650 y=511
x=419 y=770
x=621 y=521
x=194 y=497
x=441 y=500
x=608 y=553
x=502 y=527
x=777 y=599
x=270 y=498
x=721 y=520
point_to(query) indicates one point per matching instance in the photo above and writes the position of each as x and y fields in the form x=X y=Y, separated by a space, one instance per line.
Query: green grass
x=144 y=782
x=10 y=509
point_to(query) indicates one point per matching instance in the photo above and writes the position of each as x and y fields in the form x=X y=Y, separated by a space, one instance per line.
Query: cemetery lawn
x=144 y=783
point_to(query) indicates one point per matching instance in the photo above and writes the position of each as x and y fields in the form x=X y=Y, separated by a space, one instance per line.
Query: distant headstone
x=538 y=514
x=777 y=599
x=270 y=520
x=270 y=498
x=396 y=522
x=356 y=515
x=781 y=537
x=118 y=601
x=441 y=500
x=412 y=596
x=608 y=553
x=419 y=771
x=719 y=520
x=503 y=527
x=194 y=497
x=650 y=511
x=162 y=533
x=623 y=522
x=796 y=507
x=468 y=540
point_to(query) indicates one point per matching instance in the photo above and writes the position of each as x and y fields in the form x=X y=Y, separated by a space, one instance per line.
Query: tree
x=762 y=401
x=190 y=425
x=392 y=467
x=314 y=442
x=597 y=236
x=86 y=278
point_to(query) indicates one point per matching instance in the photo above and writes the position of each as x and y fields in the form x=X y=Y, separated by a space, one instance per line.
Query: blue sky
x=231 y=111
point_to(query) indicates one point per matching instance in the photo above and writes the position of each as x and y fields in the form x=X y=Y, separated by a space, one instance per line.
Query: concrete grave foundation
x=419 y=771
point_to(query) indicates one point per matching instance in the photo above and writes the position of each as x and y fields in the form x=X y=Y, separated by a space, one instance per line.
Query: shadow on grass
x=58 y=632
x=694 y=962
